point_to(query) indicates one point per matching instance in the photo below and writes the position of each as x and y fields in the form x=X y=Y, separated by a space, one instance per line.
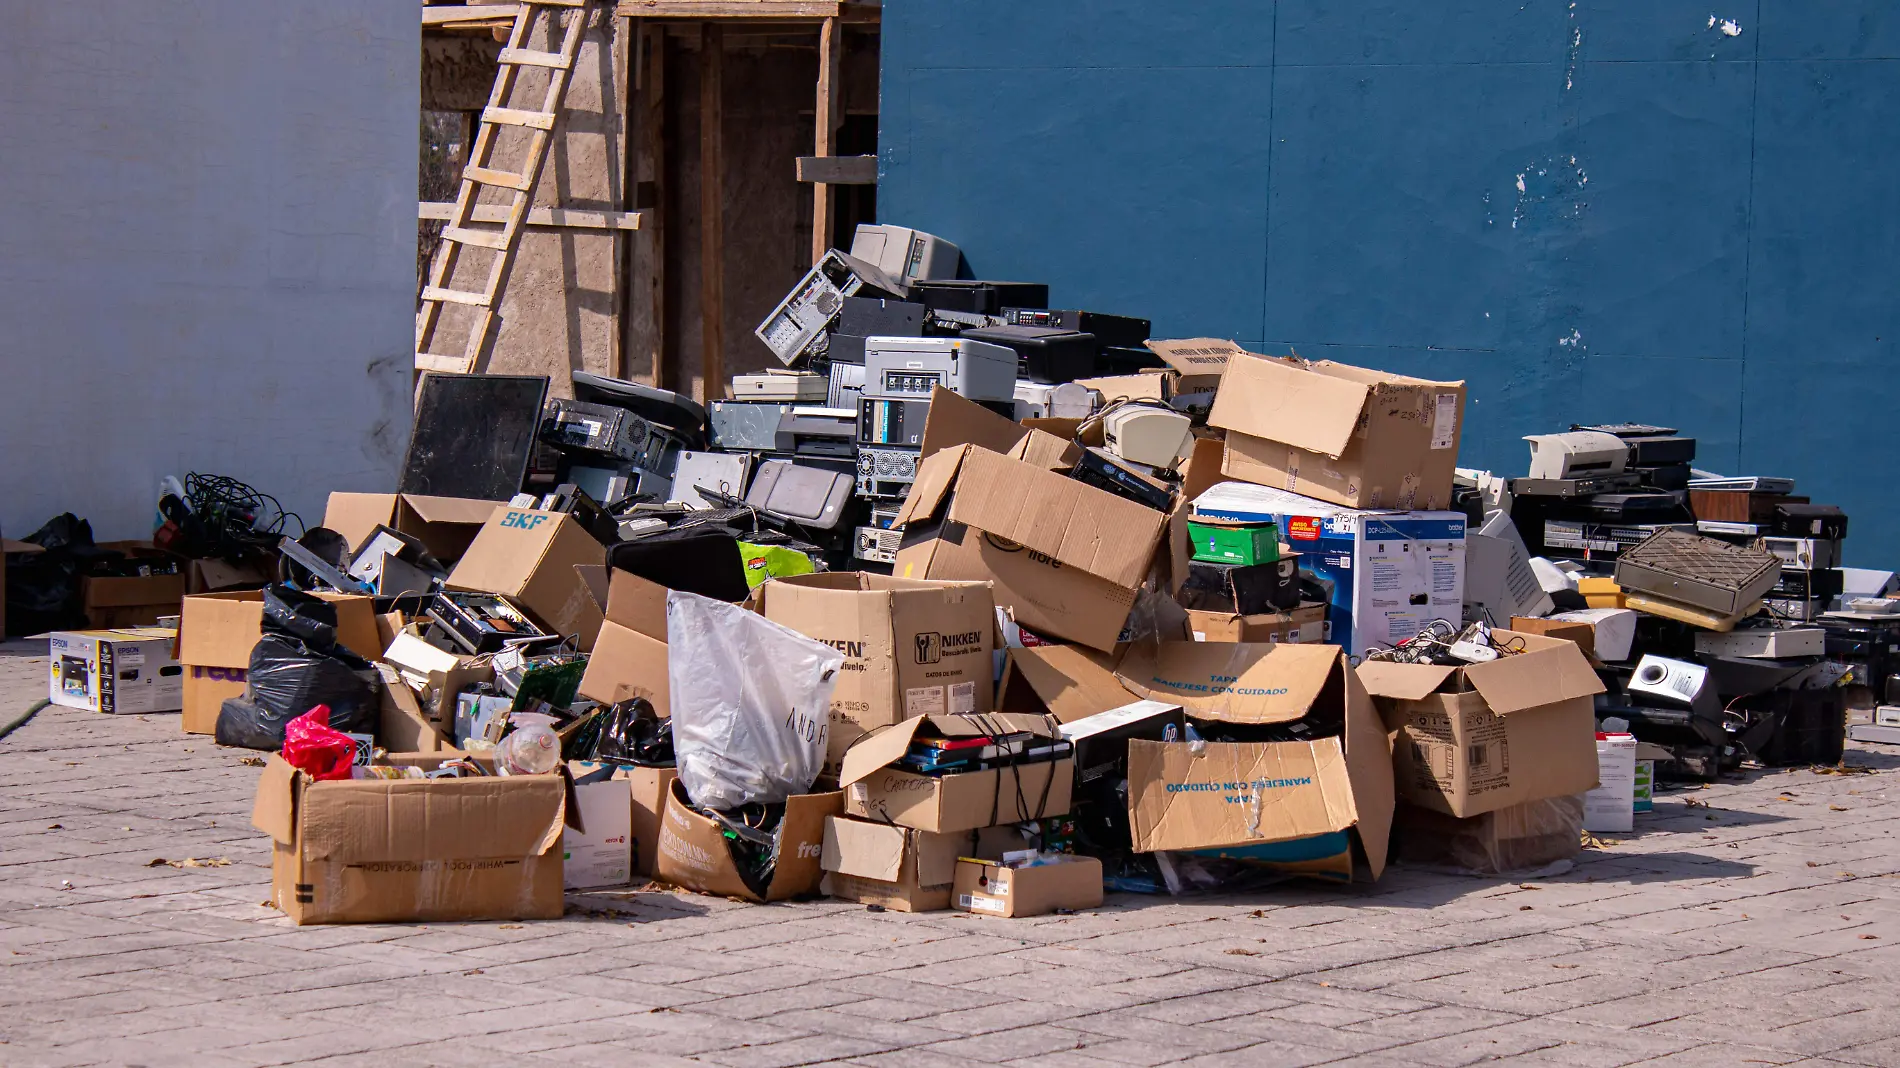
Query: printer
x=908 y=368
x=1577 y=454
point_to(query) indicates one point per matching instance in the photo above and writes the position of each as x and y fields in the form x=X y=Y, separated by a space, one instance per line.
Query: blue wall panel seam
x=1748 y=243
x=1266 y=195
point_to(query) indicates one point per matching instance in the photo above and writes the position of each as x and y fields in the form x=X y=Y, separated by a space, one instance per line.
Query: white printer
x=907 y=368
x=1577 y=454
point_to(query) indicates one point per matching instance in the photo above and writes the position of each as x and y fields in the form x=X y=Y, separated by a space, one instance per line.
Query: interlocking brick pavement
x=1760 y=926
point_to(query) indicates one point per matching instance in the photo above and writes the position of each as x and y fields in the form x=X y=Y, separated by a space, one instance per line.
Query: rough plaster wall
x=1590 y=210
x=206 y=252
x=558 y=313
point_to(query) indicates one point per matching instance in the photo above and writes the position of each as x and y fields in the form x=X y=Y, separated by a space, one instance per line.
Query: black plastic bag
x=289 y=677
x=296 y=614
x=630 y=732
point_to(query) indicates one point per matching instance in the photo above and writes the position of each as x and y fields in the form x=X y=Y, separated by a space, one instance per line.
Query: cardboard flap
x=1275 y=791
x=1230 y=682
x=466 y=510
x=956 y=420
x=9 y=546
x=275 y=810
x=1076 y=524
x=1549 y=670
x=887 y=744
x=1197 y=355
x=1151 y=386
x=1046 y=451
x=1285 y=401
x=355 y=515
x=935 y=475
x=864 y=849
x=1070 y=682
x=380 y=820
x=1402 y=682
x=637 y=604
x=1369 y=767
x=877 y=749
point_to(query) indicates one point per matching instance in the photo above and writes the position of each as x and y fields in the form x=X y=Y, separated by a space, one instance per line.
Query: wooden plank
x=838 y=170
x=455 y=296
x=494 y=176
x=712 y=196
x=732 y=9
x=534 y=120
x=430 y=361
x=443 y=14
x=571 y=218
x=495 y=239
x=529 y=57
x=827 y=116
x=653 y=147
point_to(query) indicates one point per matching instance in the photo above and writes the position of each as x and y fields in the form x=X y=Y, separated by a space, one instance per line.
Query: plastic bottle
x=531 y=750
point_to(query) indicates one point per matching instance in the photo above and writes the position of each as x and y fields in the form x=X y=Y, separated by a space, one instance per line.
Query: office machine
x=1044 y=353
x=886 y=471
x=1124 y=331
x=904 y=253
x=726 y=472
x=898 y=368
x=747 y=425
x=1148 y=434
x=1576 y=454
x=791 y=386
x=980 y=296
x=818 y=432
x=810 y=496
x=798 y=329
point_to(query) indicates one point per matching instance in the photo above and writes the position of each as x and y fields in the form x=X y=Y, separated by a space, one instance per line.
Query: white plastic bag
x=751 y=702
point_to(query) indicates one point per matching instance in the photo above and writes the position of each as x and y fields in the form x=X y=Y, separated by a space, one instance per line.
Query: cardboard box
x=1307 y=623
x=133 y=601
x=1198 y=363
x=217 y=576
x=955 y=420
x=530 y=557
x=412 y=850
x=1390 y=572
x=649 y=787
x=1065 y=557
x=1514 y=838
x=1292 y=805
x=1481 y=737
x=1067 y=882
x=963 y=801
x=600 y=853
x=897 y=867
x=1068 y=682
x=217 y=631
x=1342 y=434
x=1610 y=805
x=693 y=853
x=403 y=726
x=629 y=657
x=123 y=672
x=445 y=525
x=911 y=647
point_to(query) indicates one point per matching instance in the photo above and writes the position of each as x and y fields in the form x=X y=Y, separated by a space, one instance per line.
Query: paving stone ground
x=1752 y=923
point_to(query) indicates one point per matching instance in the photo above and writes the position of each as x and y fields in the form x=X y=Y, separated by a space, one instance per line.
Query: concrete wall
x=207 y=249
x=1599 y=210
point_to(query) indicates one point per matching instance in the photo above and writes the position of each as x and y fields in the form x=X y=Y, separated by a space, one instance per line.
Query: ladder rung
x=455 y=296
x=495 y=239
x=491 y=176
x=560 y=3
x=429 y=361
x=539 y=120
x=528 y=57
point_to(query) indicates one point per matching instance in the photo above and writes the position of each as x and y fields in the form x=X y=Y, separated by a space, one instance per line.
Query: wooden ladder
x=501 y=242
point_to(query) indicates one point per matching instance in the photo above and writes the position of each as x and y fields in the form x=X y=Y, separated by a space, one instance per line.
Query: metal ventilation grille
x=1704 y=560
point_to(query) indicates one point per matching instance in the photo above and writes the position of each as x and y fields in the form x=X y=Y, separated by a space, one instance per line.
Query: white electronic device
x=1615 y=629
x=1148 y=434
x=1066 y=400
x=846 y=386
x=1577 y=454
x=725 y=472
x=781 y=386
x=1762 y=643
x=904 y=253
x=1675 y=683
x=908 y=368
x=1499 y=580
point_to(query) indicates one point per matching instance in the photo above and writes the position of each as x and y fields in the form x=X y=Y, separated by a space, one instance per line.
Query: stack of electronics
x=934 y=755
x=1593 y=492
x=1804 y=536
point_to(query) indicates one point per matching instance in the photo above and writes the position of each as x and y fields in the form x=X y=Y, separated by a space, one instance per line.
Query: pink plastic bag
x=313 y=748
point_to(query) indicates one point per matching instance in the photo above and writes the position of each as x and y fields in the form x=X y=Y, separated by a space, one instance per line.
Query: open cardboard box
x=216 y=632
x=445 y=525
x=1292 y=804
x=1343 y=434
x=629 y=657
x=960 y=801
x=1063 y=883
x=1065 y=557
x=412 y=850
x=902 y=868
x=1474 y=739
x=133 y=600
x=955 y=420
x=693 y=853
x=1305 y=624
x=1068 y=682
x=533 y=558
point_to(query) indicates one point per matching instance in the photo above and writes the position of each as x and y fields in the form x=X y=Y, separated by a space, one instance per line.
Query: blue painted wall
x=1599 y=210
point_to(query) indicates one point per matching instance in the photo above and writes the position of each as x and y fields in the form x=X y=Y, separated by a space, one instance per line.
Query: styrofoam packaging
x=1612 y=805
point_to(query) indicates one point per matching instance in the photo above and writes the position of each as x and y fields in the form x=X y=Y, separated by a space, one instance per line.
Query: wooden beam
x=653 y=147
x=712 y=195
x=826 y=118
x=838 y=170
x=442 y=14
x=571 y=218
x=782 y=10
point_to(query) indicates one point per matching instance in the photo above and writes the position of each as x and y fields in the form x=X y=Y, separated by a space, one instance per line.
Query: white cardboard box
x=1612 y=805
x=124 y=672
x=602 y=853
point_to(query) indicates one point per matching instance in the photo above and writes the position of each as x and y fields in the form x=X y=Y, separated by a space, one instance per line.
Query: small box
x=601 y=852
x=1234 y=541
x=1062 y=882
x=1612 y=805
x=122 y=672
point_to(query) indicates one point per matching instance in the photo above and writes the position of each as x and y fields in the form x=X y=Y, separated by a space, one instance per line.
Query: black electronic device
x=1636 y=507
x=1671 y=478
x=683 y=415
x=1044 y=353
x=1824 y=583
x=892 y=422
x=881 y=317
x=981 y=296
x=818 y=432
x=1650 y=446
x=1106 y=471
x=1795 y=520
x=596 y=428
x=1127 y=360
x=571 y=500
x=483 y=622
x=847 y=348
x=1124 y=331
x=708 y=563
x=1244 y=589
x=473 y=435
x=810 y=496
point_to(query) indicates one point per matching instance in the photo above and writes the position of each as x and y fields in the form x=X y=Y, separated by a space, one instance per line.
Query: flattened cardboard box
x=963 y=801
x=1475 y=739
x=1344 y=434
x=531 y=557
x=693 y=853
x=911 y=647
x=1251 y=799
x=1065 y=557
x=1070 y=882
x=216 y=632
x=408 y=850
x=629 y=657
x=445 y=525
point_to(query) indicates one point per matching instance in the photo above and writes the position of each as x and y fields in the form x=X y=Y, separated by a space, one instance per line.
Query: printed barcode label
x=962 y=698
x=1445 y=421
x=980 y=903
